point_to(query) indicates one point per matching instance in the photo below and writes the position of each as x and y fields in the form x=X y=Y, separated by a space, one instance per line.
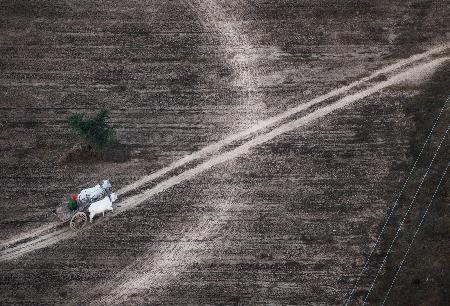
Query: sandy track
x=37 y=243
x=160 y=270
x=270 y=242
x=238 y=51
x=29 y=235
x=157 y=271
x=238 y=55
x=35 y=240
x=275 y=119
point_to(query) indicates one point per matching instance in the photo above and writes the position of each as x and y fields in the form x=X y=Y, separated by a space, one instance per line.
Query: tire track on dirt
x=234 y=43
x=32 y=243
x=238 y=55
x=238 y=52
x=269 y=122
x=153 y=272
x=36 y=244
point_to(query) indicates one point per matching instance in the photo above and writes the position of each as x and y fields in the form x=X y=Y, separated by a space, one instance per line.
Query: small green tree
x=94 y=130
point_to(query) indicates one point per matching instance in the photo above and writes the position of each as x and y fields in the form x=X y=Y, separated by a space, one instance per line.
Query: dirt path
x=17 y=247
x=276 y=119
x=154 y=272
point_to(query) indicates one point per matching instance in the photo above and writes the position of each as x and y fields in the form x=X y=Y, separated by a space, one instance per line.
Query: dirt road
x=266 y=139
x=36 y=240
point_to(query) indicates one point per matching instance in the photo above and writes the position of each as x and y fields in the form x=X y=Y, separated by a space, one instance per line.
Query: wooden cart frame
x=77 y=217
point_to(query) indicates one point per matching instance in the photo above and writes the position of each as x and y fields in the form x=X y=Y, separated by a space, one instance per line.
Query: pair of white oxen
x=92 y=195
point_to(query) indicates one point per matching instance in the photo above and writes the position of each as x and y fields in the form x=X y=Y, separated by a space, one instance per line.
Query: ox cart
x=76 y=210
x=77 y=218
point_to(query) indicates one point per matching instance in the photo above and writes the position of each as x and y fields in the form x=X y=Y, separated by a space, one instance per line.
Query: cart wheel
x=78 y=221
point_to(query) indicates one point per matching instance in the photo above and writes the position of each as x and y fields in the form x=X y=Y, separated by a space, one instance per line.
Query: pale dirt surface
x=288 y=222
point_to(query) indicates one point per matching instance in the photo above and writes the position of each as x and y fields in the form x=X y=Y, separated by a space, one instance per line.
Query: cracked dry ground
x=290 y=222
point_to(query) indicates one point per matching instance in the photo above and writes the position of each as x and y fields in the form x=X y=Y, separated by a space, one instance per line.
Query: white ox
x=101 y=206
x=94 y=193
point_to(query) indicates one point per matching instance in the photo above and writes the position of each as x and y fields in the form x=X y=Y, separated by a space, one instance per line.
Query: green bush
x=94 y=130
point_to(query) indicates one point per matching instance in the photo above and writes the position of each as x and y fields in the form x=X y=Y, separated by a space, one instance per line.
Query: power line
x=404 y=218
x=415 y=234
x=394 y=206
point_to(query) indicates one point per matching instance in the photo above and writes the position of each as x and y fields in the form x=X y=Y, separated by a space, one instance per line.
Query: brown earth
x=291 y=222
x=423 y=278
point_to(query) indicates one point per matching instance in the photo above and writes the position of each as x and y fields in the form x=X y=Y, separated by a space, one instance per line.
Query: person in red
x=73 y=204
